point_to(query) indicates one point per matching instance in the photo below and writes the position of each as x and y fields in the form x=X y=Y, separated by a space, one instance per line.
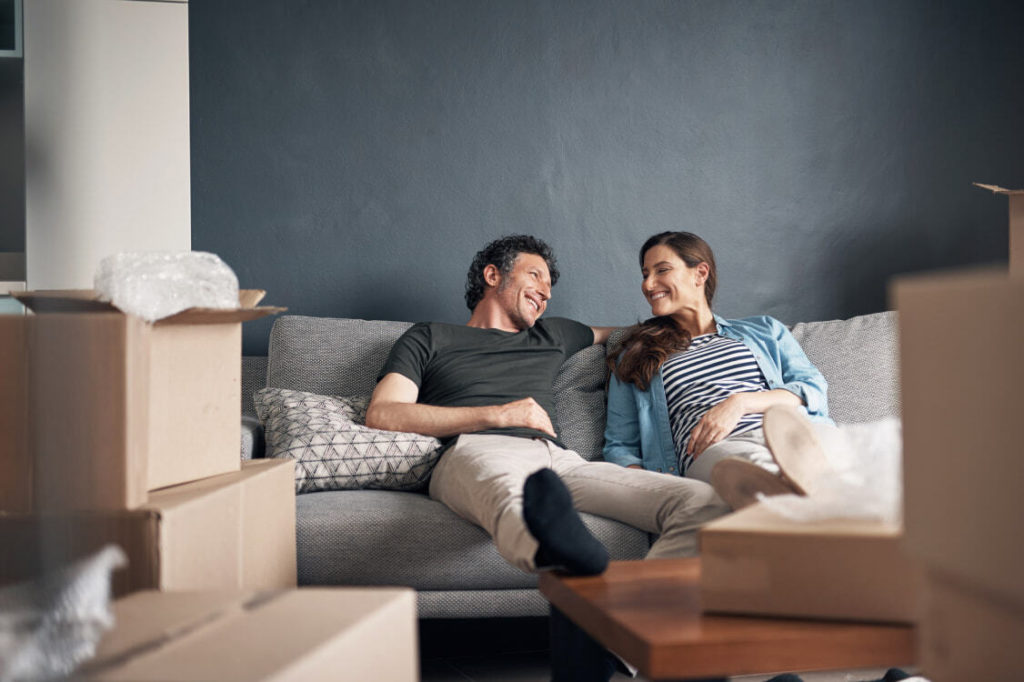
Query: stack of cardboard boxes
x=120 y=431
x=962 y=369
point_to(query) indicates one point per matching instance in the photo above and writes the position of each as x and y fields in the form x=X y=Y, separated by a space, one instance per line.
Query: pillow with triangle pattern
x=334 y=450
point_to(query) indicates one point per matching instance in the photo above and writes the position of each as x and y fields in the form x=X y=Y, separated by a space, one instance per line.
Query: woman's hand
x=716 y=424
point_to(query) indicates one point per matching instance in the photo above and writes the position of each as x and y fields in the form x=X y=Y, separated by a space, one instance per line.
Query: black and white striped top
x=709 y=371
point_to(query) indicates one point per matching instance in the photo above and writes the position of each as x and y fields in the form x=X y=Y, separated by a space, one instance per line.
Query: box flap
x=239 y=636
x=215 y=316
x=163 y=499
x=87 y=301
x=996 y=189
x=147 y=620
x=63 y=301
x=759 y=519
x=250 y=298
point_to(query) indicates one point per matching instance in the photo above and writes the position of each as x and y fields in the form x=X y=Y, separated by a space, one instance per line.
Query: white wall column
x=106 y=134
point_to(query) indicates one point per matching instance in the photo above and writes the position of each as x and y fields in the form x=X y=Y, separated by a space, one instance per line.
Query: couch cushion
x=580 y=402
x=329 y=356
x=859 y=358
x=334 y=450
x=370 y=537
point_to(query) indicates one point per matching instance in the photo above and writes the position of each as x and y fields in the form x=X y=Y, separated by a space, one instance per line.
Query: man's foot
x=564 y=541
x=738 y=481
x=795 y=447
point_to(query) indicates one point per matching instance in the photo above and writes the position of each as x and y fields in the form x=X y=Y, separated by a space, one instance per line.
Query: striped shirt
x=713 y=368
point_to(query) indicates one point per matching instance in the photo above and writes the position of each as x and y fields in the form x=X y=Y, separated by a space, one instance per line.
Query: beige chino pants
x=750 y=446
x=481 y=479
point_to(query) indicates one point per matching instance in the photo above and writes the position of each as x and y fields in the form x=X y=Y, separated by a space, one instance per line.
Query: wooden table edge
x=869 y=644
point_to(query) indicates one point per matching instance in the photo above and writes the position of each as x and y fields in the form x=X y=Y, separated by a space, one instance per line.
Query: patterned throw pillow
x=332 y=448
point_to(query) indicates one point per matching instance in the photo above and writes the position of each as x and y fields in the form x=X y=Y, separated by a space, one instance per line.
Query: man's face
x=523 y=294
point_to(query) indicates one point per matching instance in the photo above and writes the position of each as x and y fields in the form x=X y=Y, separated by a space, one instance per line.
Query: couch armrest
x=253 y=445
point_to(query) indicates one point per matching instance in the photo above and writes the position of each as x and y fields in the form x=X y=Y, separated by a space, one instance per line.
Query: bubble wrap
x=864 y=478
x=51 y=625
x=159 y=284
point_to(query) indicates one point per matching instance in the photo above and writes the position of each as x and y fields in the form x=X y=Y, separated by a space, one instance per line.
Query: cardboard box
x=15 y=465
x=232 y=531
x=962 y=368
x=969 y=635
x=117 y=407
x=301 y=635
x=1016 y=197
x=755 y=562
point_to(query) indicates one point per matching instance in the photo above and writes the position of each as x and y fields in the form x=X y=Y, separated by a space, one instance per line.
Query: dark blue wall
x=350 y=157
x=12 y=165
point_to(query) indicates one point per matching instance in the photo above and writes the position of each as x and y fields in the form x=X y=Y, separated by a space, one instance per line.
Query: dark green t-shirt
x=460 y=366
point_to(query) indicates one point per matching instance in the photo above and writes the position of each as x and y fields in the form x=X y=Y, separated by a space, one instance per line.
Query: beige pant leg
x=750 y=446
x=669 y=506
x=481 y=478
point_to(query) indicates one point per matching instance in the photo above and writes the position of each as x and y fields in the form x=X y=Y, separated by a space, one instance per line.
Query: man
x=485 y=388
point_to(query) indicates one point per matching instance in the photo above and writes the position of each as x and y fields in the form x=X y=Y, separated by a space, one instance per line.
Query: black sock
x=555 y=524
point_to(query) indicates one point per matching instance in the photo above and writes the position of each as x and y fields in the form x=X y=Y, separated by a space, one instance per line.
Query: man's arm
x=601 y=333
x=393 y=407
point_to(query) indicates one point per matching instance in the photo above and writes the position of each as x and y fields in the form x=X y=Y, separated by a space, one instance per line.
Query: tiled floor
x=516 y=650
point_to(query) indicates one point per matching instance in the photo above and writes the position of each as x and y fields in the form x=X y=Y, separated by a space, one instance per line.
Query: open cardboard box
x=117 y=406
x=756 y=562
x=232 y=531
x=961 y=367
x=301 y=635
x=1016 y=197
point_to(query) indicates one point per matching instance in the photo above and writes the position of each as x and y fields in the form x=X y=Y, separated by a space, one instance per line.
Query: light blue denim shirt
x=638 y=429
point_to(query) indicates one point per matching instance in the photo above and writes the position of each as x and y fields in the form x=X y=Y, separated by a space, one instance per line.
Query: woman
x=688 y=389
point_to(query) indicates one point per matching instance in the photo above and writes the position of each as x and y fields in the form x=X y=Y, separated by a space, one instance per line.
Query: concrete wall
x=350 y=157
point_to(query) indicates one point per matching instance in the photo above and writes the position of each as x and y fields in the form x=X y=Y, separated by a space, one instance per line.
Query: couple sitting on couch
x=687 y=396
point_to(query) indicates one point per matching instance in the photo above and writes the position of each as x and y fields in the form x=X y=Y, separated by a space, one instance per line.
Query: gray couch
x=374 y=537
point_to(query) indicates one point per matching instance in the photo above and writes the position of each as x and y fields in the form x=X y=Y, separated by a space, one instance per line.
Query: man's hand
x=716 y=424
x=526 y=412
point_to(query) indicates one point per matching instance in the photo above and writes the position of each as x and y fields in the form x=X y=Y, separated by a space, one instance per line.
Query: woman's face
x=670 y=285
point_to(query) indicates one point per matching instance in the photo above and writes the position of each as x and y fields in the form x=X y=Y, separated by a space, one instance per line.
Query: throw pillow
x=334 y=450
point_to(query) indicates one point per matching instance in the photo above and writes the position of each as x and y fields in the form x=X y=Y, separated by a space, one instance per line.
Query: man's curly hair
x=502 y=254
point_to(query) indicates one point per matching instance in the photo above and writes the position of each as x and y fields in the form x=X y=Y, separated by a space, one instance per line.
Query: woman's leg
x=750 y=446
x=739 y=468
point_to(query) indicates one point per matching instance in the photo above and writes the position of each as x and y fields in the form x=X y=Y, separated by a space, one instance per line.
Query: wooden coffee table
x=649 y=613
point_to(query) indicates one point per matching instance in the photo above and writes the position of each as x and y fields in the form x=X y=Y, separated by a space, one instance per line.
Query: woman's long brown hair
x=646 y=346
